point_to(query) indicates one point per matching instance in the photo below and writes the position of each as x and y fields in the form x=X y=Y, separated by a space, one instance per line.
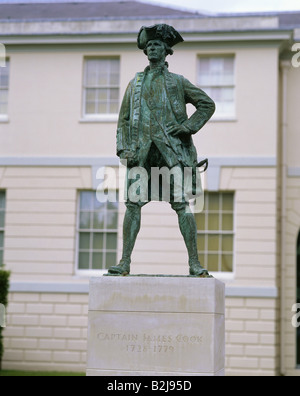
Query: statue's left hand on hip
x=179 y=130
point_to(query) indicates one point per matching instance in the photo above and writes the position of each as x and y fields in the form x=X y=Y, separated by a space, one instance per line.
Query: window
x=216 y=78
x=216 y=232
x=4 y=81
x=97 y=232
x=101 y=87
x=2 y=225
x=298 y=299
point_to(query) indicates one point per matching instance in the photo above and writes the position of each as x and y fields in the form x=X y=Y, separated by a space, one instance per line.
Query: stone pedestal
x=144 y=325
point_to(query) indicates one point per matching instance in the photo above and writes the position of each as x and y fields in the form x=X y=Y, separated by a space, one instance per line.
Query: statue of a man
x=155 y=131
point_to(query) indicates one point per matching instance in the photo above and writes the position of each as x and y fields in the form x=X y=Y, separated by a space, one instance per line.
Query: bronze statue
x=155 y=131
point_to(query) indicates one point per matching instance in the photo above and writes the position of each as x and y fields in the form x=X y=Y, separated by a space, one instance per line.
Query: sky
x=213 y=6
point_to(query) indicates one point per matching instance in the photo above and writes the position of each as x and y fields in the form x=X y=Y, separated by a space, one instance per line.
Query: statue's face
x=156 y=51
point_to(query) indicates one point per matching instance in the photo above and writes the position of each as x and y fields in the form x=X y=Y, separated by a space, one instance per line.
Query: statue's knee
x=180 y=207
x=133 y=208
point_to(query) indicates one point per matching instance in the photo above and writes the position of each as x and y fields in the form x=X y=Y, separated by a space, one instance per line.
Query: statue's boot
x=121 y=269
x=197 y=270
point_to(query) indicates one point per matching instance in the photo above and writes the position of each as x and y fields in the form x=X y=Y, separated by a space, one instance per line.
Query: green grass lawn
x=8 y=373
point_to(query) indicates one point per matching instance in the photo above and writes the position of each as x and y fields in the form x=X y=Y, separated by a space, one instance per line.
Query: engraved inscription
x=149 y=343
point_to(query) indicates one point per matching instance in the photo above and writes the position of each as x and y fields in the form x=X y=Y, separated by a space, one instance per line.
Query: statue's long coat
x=130 y=134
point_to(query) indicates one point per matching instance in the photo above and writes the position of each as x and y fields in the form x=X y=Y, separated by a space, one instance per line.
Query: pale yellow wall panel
x=40 y=207
x=256 y=208
x=39 y=269
x=46 y=230
x=36 y=171
x=168 y=246
x=256 y=221
x=255 y=196
x=253 y=184
x=256 y=234
x=36 y=194
x=28 y=183
x=27 y=242
x=254 y=173
x=41 y=219
x=38 y=255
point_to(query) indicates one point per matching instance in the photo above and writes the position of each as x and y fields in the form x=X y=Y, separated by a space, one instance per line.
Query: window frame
x=216 y=116
x=2 y=229
x=98 y=117
x=89 y=272
x=223 y=275
x=4 y=117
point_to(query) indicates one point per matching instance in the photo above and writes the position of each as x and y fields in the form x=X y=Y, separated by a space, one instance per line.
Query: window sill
x=223 y=276
x=223 y=119
x=4 y=119
x=90 y=273
x=99 y=119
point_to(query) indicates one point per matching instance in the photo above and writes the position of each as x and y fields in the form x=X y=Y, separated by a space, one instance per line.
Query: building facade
x=60 y=92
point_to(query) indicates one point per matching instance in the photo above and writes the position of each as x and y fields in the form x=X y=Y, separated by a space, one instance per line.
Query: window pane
x=91 y=95
x=216 y=77
x=114 y=107
x=213 y=222
x=227 y=262
x=112 y=220
x=227 y=202
x=2 y=200
x=97 y=261
x=90 y=108
x=93 y=216
x=201 y=243
x=213 y=262
x=1 y=239
x=99 y=201
x=2 y=219
x=111 y=259
x=102 y=80
x=84 y=241
x=3 y=108
x=98 y=241
x=85 y=221
x=213 y=243
x=113 y=205
x=83 y=261
x=111 y=241
x=227 y=222
x=1 y=258
x=227 y=243
x=102 y=94
x=200 y=221
x=4 y=75
x=102 y=108
x=86 y=202
x=98 y=220
x=213 y=202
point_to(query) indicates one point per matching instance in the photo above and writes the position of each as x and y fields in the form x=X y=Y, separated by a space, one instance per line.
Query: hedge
x=4 y=288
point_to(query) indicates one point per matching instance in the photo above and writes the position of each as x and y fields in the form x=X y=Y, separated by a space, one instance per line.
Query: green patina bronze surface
x=155 y=131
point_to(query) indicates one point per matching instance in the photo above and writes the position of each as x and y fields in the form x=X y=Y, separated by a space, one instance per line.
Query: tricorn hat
x=163 y=32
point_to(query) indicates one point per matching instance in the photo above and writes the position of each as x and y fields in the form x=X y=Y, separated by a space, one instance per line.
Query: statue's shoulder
x=174 y=77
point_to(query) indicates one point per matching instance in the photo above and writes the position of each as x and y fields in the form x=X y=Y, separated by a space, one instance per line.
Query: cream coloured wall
x=292 y=229
x=45 y=102
x=293 y=140
x=40 y=240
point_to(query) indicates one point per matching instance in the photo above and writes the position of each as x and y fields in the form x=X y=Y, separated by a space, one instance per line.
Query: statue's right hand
x=130 y=157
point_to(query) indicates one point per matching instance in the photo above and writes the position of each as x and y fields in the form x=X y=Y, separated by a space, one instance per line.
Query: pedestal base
x=140 y=326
